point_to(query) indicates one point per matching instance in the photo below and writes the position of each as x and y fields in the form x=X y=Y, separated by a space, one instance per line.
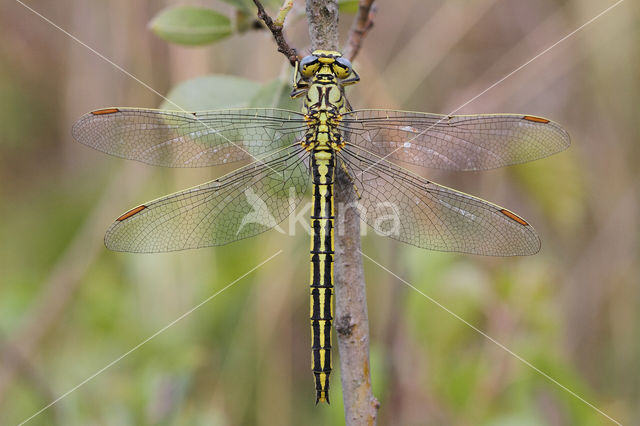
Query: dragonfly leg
x=295 y=75
x=299 y=89
x=351 y=80
x=300 y=86
x=343 y=166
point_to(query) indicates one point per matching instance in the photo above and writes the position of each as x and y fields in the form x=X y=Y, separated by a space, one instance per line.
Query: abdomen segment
x=321 y=315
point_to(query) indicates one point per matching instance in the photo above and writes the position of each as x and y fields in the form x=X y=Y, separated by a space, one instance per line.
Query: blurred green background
x=69 y=307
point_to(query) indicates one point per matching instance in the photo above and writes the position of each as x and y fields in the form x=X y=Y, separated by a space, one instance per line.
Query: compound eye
x=342 y=67
x=308 y=66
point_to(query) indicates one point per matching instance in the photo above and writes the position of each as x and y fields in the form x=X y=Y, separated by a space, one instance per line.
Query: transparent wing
x=411 y=209
x=241 y=204
x=184 y=139
x=456 y=142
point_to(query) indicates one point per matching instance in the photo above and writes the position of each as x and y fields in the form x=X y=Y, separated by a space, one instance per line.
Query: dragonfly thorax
x=324 y=95
x=323 y=106
x=321 y=78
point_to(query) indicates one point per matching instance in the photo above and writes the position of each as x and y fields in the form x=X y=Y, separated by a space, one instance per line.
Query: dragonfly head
x=325 y=65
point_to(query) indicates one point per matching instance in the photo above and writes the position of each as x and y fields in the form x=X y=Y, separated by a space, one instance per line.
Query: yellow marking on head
x=326 y=53
x=514 y=217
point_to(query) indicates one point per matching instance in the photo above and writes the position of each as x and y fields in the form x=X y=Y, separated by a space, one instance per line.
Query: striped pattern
x=321 y=315
x=323 y=107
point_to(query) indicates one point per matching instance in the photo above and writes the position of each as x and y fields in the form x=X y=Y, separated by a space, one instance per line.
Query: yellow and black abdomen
x=322 y=251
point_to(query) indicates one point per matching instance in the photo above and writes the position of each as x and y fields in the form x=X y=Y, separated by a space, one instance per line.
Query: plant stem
x=351 y=319
x=276 y=31
x=359 y=29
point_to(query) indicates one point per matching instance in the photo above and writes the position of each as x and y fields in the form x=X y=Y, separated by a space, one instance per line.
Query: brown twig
x=352 y=322
x=276 y=31
x=322 y=18
x=360 y=27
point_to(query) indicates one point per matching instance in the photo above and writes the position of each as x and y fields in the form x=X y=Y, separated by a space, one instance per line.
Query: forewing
x=403 y=206
x=241 y=204
x=184 y=139
x=456 y=142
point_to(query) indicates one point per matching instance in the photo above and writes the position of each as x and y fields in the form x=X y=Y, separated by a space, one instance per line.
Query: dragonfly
x=288 y=151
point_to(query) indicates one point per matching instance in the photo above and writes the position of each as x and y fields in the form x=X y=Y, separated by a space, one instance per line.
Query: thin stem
x=276 y=31
x=360 y=27
x=352 y=323
x=284 y=11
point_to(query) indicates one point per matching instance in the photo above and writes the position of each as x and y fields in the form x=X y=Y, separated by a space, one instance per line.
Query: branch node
x=344 y=326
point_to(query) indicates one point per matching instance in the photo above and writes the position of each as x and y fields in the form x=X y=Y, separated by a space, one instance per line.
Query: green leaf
x=250 y=7
x=191 y=25
x=348 y=6
x=212 y=92
x=245 y=5
x=275 y=94
x=244 y=21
